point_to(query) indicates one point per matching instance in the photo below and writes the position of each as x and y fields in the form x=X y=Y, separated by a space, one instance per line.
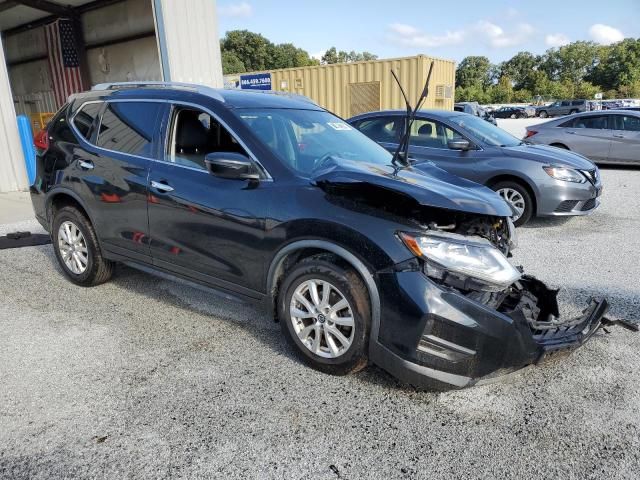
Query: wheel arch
x=518 y=179
x=299 y=249
x=63 y=197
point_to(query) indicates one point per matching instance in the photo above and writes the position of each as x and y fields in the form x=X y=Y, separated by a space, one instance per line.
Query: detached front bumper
x=432 y=336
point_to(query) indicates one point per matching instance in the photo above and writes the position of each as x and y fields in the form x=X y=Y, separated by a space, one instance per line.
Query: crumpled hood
x=429 y=185
x=547 y=155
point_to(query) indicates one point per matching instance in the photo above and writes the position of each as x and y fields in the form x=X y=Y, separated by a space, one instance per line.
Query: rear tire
x=326 y=339
x=77 y=248
x=573 y=111
x=515 y=194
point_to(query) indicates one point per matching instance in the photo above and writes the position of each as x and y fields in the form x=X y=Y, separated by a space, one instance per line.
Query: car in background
x=535 y=180
x=474 y=108
x=510 y=112
x=608 y=136
x=562 y=107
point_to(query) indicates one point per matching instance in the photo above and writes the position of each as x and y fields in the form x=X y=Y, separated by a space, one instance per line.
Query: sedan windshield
x=486 y=132
x=306 y=139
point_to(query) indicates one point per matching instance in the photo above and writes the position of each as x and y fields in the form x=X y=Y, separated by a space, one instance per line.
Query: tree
x=474 y=71
x=519 y=68
x=502 y=92
x=332 y=56
x=252 y=49
x=286 y=55
x=619 y=65
x=573 y=62
x=231 y=63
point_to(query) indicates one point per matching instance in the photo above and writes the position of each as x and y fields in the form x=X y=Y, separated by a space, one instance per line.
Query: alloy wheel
x=73 y=247
x=515 y=199
x=322 y=318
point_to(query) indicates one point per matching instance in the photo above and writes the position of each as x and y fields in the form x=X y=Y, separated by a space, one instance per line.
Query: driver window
x=194 y=134
x=430 y=134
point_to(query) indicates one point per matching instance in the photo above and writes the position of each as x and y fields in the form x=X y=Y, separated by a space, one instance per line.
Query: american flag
x=64 y=60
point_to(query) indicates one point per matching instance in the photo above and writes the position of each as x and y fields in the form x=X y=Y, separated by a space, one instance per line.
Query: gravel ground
x=147 y=378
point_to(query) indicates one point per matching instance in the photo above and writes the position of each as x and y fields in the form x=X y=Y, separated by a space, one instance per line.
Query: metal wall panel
x=188 y=41
x=329 y=85
x=13 y=174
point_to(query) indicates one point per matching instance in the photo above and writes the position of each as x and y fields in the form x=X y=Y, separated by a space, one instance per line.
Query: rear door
x=589 y=135
x=625 y=139
x=118 y=168
x=385 y=130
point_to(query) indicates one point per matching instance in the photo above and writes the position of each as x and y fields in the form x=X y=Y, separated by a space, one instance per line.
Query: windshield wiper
x=403 y=146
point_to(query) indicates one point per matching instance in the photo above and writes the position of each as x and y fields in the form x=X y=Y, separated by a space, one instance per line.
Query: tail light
x=41 y=140
x=530 y=133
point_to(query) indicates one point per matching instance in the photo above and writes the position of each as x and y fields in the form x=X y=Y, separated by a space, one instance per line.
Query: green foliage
x=245 y=51
x=474 y=71
x=577 y=70
x=332 y=56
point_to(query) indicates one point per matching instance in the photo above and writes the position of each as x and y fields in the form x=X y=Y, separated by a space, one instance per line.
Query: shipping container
x=348 y=89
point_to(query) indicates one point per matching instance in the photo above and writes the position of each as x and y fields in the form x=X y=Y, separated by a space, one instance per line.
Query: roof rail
x=142 y=84
x=206 y=90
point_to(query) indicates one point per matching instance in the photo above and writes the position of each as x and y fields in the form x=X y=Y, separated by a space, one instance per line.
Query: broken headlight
x=464 y=257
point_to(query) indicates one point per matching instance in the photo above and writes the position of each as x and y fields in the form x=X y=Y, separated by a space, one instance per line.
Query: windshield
x=305 y=139
x=485 y=131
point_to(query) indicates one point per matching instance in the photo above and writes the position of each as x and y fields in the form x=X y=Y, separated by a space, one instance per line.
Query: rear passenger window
x=128 y=127
x=628 y=123
x=577 y=102
x=381 y=129
x=596 y=122
x=83 y=120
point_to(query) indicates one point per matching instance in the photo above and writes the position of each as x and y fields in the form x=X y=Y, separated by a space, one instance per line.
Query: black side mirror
x=231 y=165
x=459 y=144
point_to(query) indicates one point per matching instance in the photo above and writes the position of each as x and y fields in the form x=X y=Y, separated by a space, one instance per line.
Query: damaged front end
x=457 y=312
x=480 y=317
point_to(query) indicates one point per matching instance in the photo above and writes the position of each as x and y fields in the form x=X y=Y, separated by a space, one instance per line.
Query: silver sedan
x=611 y=136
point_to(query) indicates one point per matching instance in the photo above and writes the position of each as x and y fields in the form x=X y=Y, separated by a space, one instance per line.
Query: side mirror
x=459 y=144
x=231 y=165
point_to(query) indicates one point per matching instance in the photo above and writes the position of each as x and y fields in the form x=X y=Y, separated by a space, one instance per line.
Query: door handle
x=618 y=135
x=571 y=133
x=86 y=165
x=163 y=187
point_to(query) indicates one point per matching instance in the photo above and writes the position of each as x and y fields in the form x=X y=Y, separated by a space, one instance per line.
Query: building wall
x=349 y=88
x=122 y=61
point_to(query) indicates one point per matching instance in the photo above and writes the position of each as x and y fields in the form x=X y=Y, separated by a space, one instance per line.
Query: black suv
x=271 y=198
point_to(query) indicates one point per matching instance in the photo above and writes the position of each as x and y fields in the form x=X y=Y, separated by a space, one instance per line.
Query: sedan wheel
x=73 y=247
x=322 y=318
x=515 y=199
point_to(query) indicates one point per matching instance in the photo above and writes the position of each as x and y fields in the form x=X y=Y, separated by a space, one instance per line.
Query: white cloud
x=485 y=31
x=497 y=37
x=605 y=34
x=556 y=40
x=242 y=9
x=318 y=55
x=409 y=36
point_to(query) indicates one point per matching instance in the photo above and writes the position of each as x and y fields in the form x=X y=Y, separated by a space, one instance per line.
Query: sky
x=497 y=29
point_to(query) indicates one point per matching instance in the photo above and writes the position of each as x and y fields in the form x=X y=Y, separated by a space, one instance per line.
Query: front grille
x=566 y=206
x=589 y=204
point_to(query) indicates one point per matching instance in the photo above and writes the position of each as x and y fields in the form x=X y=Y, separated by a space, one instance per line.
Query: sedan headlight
x=462 y=256
x=565 y=174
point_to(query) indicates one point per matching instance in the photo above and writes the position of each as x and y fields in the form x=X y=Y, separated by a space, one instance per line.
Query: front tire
x=77 y=249
x=518 y=197
x=325 y=314
x=543 y=114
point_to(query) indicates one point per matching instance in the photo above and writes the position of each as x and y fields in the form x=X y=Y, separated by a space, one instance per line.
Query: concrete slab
x=15 y=207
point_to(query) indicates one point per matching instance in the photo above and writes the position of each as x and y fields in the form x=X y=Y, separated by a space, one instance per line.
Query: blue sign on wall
x=258 y=81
